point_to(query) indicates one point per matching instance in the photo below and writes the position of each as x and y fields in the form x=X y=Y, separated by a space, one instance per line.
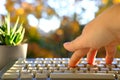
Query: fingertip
x=109 y=60
x=110 y=53
x=74 y=59
x=72 y=64
x=77 y=55
x=67 y=45
x=91 y=55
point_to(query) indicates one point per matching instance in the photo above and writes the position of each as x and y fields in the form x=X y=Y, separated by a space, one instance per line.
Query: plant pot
x=10 y=53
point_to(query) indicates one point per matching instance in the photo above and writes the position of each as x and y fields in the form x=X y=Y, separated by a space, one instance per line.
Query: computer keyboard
x=57 y=69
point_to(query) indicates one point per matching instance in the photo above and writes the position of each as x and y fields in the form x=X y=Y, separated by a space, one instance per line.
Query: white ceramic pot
x=10 y=53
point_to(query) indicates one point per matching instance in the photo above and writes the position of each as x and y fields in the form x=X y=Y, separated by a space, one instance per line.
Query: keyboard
x=57 y=69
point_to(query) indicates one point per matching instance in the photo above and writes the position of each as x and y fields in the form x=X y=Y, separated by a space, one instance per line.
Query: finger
x=91 y=55
x=74 y=45
x=110 y=53
x=77 y=55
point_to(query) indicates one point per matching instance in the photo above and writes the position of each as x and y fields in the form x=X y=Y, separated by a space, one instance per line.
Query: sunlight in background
x=44 y=24
x=84 y=9
x=88 y=9
x=28 y=1
x=32 y=20
x=48 y=25
x=62 y=7
x=3 y=10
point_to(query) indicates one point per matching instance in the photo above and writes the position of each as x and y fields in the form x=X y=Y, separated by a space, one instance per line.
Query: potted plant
x=11 y=38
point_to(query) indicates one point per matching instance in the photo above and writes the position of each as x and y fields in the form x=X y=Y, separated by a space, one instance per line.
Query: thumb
x=74 y=45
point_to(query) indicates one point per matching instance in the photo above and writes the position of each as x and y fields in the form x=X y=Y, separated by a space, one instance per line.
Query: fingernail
x=66 y=43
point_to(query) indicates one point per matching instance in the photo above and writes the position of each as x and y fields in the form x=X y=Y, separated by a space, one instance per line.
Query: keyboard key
x=65 y=59
x=38 y=62
x=31 y=65
x=57 y=71
x=57 y=59
x=52 y=68
x=65 y=63
x=104 y=69
x=79 y=71
x=25 y=71
x=36 y=71
x=40 y=59
x=27 y=62
x=10 y=76
x=118 y=76
x=81 y=65
x=60 y=65
x=51 y=65
x=68 y=71
x=63 y=68
x=90 y=71
x=26 y=76
x=82 y=76
x=47 y=62
x=48 y=59
x=41 y=76
x=115 y=72
x=115 y=69
x=56 y=62
x=94 y=69
x=13 y=71
x=17 y=68
x=73 y=69
x=41 y=65
x=42 y=68
x=19 y=65
x=101 y=71
x=32 y=68
x=118 y=66
x=110 y=66
x=84 y=69
x=100 y=66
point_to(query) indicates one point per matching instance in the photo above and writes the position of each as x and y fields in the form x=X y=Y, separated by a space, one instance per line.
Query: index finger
x=77 y=55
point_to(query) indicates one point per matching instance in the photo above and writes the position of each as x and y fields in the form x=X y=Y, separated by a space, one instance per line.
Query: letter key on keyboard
x=57 y=69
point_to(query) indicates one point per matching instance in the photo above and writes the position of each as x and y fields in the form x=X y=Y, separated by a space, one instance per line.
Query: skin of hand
x=103 y=31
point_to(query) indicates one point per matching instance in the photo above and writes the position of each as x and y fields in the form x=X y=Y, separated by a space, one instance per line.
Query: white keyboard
x=57 y=69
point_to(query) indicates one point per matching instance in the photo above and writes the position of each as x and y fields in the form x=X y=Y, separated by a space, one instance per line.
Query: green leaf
x=20 y=28
x=15 y=27
x=1 y=31
x=12 y=39
x=17 y=38
x=4 y=27
x=7 y=37
x=2 y=39
x=20 y=37
x=7 y=20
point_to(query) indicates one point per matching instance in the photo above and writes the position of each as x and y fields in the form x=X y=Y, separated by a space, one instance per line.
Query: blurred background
x=50 y=23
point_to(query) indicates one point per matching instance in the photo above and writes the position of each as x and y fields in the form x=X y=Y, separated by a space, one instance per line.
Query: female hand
x=103 y=31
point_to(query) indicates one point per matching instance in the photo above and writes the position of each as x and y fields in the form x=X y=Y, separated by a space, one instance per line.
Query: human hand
x=100 y=32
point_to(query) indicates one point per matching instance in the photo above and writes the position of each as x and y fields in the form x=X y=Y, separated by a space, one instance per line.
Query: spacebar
x=82 y=76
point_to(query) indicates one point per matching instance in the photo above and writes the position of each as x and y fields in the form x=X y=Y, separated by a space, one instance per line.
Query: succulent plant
x=11 y=35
